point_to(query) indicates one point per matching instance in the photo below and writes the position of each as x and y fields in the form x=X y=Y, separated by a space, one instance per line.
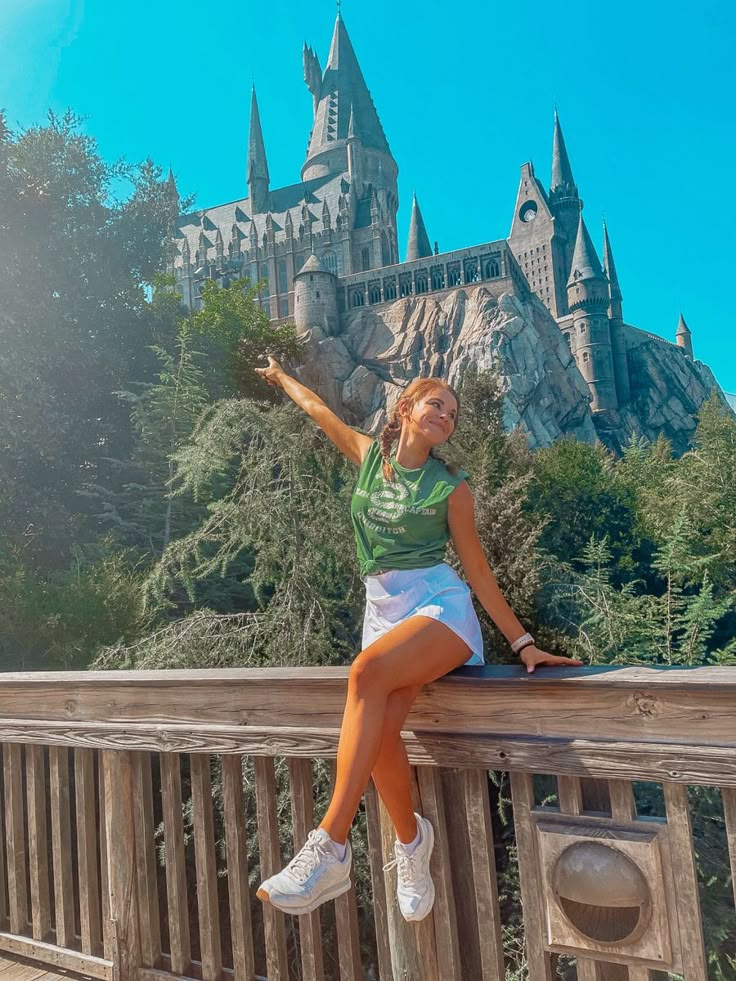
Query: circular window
x=602 y=892
x=528 y=211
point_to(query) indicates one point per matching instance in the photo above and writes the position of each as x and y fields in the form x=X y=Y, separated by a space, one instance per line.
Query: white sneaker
x=314 y=875
x=415 y=890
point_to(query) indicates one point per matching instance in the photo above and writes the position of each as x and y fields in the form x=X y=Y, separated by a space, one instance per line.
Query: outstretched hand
x=532 y=657
x=272 y=374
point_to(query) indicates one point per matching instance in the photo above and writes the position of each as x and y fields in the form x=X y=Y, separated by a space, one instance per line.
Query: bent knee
x=368 y=676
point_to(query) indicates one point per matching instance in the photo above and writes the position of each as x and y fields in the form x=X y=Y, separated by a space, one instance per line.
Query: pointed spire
x=342 y=93
x=561 y=169
x=352 y=134
x=684 y=337
x=610 y=266
x=585 y=261
x=682 y=327
x=418 y=246
x=257 y=174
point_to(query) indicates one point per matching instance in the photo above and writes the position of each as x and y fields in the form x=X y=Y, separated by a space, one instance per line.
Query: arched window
x=283 y=281
x=405 y=284
x=491 y=270
x=583 y=327
x=365 y=258
x=356 y=298
x=471 y=271
x=389 y=290
x=586 y=357
x=421 y=283
x=438 y=278
x=329 y=261
x=385 y=250
x=374 y=294
x=453 y=274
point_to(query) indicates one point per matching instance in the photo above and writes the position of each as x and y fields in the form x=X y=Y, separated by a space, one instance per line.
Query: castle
x=328 y=244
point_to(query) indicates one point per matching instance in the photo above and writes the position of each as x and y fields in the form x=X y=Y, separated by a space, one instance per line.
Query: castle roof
x=342 y=93
x=561 y=169
x=682 y=327
x=418 y=246
x=610 y=266
x=257 y=163
x=585 y=261
x=313 y=264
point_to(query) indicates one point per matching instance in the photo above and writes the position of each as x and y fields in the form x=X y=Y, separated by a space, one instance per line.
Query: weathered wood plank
x=623 y=804
x=639 y=704
x=107 y=939
x=729 y=812
x=380 y=903
x=302 y=819
x=58 y=957
x=270 y=852
x=522 y=795
x=90 y=912
x=443 y=913
x=241 y=928
x=146 y=864
x=176 y=879
x=705 y=765
x=346 y=919
x=61 y=846
x=685 y=875
x=121 y=865
x=38 y=844
x=483 y=865
x=206 y=868
x=15 y=841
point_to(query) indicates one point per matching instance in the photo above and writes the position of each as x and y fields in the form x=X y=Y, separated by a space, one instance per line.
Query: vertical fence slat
x=302 y=818
x=623 y=804
x=176 y=879
x=346 y=918
x=380 y=903
x=145 y=853
x=15 y=837
x=729 y=811
x=38 y=841
x=61 y=845
x=206 y=867
x=241 y=928
x=274 y=923
x=120 y=823
x=685 y=875
x=483 y=863
x=90 y=917
x=107 y=948
x=443 y=912
x=522 y=795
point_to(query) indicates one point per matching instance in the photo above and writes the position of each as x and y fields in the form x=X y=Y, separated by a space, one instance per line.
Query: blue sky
x=466 y=94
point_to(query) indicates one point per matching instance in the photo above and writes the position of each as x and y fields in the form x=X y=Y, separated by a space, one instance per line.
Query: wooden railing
x=142 y=808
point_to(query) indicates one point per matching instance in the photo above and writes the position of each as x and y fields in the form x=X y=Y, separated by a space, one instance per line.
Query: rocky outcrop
x=362 y=371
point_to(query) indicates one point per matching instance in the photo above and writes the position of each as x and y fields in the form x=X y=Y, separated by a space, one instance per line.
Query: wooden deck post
x=120 y=826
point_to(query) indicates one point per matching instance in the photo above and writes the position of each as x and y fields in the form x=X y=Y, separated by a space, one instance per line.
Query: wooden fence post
x=120 y=826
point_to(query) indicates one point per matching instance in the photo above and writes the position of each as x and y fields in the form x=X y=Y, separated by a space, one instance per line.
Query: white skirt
x=437 y=592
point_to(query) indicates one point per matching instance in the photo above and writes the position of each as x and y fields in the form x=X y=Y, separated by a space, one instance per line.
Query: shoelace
x=312 y=852
x=405 y=865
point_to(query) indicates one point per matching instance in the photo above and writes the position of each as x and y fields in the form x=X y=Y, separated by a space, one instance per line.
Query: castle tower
x=257 y=173
x=684 y=337
x=588 y=300
x=418 y=246
x=564 y=199
x=616 y=322
x=355 y=156
x=315 y=298
x=337 y=94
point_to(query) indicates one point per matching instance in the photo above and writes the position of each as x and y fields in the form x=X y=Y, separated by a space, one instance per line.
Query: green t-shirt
x=401 y=524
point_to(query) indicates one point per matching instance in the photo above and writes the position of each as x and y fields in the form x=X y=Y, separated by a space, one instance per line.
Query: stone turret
x=684 y=337
x=588 y=299
x=315 y=298
x=418 y=246
x=257 y=175
x=616 y=322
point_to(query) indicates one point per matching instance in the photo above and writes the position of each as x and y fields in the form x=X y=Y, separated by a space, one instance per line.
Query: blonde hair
x=390 y=433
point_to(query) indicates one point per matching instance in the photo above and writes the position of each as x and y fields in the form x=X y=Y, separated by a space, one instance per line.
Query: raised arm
x=349 y=441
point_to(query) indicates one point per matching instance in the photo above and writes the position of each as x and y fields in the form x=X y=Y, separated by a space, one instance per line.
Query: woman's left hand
x=532 y=657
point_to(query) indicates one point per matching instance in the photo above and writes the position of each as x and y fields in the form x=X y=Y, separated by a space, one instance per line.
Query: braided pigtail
x=450 y=467
x=387 y=437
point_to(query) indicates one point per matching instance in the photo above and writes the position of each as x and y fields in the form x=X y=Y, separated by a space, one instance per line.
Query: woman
x=419 y=624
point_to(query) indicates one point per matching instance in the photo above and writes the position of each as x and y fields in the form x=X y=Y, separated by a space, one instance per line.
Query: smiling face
x=434 y=415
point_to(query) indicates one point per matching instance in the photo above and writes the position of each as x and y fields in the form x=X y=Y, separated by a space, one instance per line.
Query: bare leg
x=391 y=771
x=417 y=651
